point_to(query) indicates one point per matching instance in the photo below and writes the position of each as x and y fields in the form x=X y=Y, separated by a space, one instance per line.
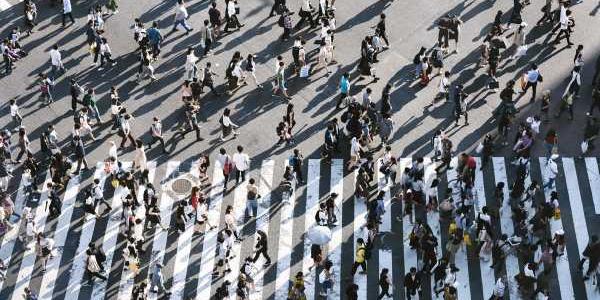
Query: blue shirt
x=344 y=85
x=154 y=35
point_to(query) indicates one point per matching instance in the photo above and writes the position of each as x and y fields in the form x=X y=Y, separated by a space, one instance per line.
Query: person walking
x=57 y=64
x=157 y=283
x=105 y=54
x=125 y=129
x=384 y=284
x=567 y=22
x=360 y=257
x=93 y=267
x=241 y=161
x=79 y=154
x=533 y=77
x=155 y=39
x=231 y=12
x=227 y=126
x=15 y=115
x=252 y=196
x=90 y=102
x=344 y=87
x=280 y=81
x=157 y=134
x=226 y=164
x=181 y=16
x=67 y=12
x=206 y=37
x=592 y=254
x=551 y=172
x=261 y=248
x=412 y=283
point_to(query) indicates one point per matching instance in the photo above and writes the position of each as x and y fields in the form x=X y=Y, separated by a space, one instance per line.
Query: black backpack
x=281 y=22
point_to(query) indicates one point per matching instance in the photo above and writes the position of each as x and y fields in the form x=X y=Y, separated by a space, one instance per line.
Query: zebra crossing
x=190 y=258
x=6 y=4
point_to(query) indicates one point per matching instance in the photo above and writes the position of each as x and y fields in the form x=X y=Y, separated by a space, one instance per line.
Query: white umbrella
x=319 y=235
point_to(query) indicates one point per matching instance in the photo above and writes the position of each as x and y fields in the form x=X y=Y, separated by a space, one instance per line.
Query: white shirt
x=104 y=48
x=14 y=110
x=157 y=129
x=97 y=192
x=444 y=84
x=230 y=220
x=533 y=75
x=227 y=122
x=241 y=161
x=55 y=57
x=181 y=13
x=112 y=151
x=66 y=6
x=551 y=169
x=190 y=61
x=230 y=8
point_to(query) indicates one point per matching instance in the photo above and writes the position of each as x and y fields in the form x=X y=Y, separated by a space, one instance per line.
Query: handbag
x=115 y=183
x=479 y=148
x=304 y=71
x=557 y=213
x=228 y=167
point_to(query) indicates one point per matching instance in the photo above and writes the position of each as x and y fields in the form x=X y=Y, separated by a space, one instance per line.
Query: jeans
x=251 y=207
x=95 y=113
x=550 y=183
x=183 y=23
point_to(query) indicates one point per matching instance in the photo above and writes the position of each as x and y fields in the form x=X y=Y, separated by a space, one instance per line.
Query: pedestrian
x=567 y=22
x=113 y=6
x=227 y=126
x=93 y=267
x=231 y=12
x=460 y=104
x=280 y=81
x=67 y=12
x=206 y=37
x=344 y=87
x=125 y=129
x=412 y=283
x=360 y=257
x=384 y=284
x=226 y=164
x=105 y=54
x=252 y=196
x=241 y=162
x=533 y=77
x=157 y=283
x=214 y=15
x=29 y=294
x=327 y=278
x=80 y=155
x=286 y=22
x=209 y=79
x=261 y=248
x=181 y=16
x=592 y=254
x=156 y=134
x=551 y=172
x=57 y=64
x=155 y=39
x=251 y=69
x=90 y=102
x=15 y=115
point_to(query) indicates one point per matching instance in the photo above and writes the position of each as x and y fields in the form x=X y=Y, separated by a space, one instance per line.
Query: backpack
x=280 y=22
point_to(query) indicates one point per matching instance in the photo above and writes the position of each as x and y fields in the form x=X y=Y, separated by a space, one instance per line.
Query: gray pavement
x=410 y=25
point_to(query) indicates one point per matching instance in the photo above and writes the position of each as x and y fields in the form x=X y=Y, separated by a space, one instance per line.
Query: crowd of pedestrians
x=361 y=124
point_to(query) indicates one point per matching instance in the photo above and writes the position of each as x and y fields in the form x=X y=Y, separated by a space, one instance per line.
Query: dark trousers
x=298 y=172
x=595 y=103
x=275 y=5
x=355 y=265
x=385 y=291
x=96 y=274
x=384 y=37
x=124 y=139
x=81 y=161
x=74 y=101
x=286 y=33
x=207 y=45
x=567 y=35
x=262 y=251
x=239 y=174
x=533 y=86
x=160 y=139
x=54 y=207
x=410 y=292
x=305 y=16
x=64 y=18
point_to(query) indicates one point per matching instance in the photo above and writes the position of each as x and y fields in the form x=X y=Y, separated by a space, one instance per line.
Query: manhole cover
x=181 y=186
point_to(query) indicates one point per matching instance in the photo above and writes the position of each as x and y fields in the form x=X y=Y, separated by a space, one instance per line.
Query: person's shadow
x=595 y=10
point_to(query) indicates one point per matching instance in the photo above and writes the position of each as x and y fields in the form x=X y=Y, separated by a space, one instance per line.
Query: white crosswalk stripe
x=284 y=256
x=79 y=261
x=29 y=257
x=60 y=238
x=562 y=263
x=284 y=237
